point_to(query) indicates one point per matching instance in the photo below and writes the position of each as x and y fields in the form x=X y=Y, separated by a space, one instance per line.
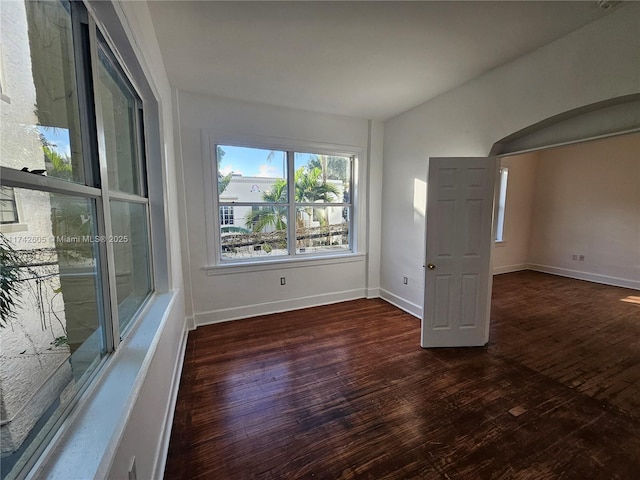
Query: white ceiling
x=368 y=60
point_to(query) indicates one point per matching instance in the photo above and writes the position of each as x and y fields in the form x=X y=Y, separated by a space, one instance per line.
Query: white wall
x=587 y=202
x=594 y=63
x=217 y=295
x=513 y=254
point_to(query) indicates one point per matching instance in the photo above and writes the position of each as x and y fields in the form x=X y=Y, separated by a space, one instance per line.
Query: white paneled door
x=459 y=236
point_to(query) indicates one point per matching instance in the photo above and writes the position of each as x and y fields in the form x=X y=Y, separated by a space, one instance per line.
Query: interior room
x=268 y=239
x=581 y=196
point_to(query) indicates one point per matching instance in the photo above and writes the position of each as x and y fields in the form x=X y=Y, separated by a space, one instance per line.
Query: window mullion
x=127 y=197
x=291 y=222
x=112 y=336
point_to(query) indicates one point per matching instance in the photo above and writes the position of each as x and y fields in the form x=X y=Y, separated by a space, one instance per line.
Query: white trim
x=510 y=268
x=401 y=303
x=590 y=277
x=373 y=292
x=283 y=262
x=160 y=459
x=280 y=143
x=210 y=184
x=266 y=308
x=569 y=142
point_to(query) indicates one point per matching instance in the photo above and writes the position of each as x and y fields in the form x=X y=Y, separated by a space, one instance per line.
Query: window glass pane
x=41 y=123
x=50 y=336
x=227 y=216
x=257 y=231
x=132 y=257
x=502 y=201
x=251 y=175
x=8 y=207
x=322 y=178
x=322 y=229
x=119 y=115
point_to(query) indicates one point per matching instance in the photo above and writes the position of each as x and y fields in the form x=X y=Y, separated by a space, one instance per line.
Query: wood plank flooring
x=345 y=391
x=582 y=334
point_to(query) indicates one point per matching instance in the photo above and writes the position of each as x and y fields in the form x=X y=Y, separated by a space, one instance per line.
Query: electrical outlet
x=575 y=257
x=133 y=473
x=405 y=280
x=283 y=281
x=581 y=258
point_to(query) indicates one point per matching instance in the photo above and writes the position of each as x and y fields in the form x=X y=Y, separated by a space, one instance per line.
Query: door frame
x=608 y=118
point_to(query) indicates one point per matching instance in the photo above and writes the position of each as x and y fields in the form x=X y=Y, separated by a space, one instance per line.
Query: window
x=502 y=200
x=76 y=277
x=282 y=203
x=226 y=215
x=8 y=206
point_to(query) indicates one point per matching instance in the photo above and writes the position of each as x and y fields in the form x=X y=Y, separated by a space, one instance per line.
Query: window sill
x=13 y=227
x=88 y=439
x=282 y=263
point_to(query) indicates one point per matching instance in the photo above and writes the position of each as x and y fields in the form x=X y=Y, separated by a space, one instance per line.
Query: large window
x=78 y=273
x=282 y=203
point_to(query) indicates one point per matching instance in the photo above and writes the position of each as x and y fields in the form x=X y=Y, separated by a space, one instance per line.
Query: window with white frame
x=285 y=203
x=502 y=201
x=226 y=215
x=72 y=148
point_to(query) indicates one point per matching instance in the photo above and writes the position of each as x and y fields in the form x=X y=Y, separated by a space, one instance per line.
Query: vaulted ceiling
x=363 y=59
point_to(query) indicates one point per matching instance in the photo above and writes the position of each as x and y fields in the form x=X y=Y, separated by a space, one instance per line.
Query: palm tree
x=311 y=187
x=333 y=168
x=270 y=216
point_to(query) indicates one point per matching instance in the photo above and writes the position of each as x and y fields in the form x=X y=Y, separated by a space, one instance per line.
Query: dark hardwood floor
x=581 y=334
x=345 y=391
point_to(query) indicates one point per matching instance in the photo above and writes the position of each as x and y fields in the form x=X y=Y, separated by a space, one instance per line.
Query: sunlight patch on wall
x=419 y=197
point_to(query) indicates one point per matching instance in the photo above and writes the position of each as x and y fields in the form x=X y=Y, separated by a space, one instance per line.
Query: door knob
x=431 y=266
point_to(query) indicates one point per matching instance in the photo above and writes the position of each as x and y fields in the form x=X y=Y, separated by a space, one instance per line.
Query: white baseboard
x=163 y=447
x=510 y=268
x=373 y=292
x=590 y=277
x=401 y=303
x=236 y=313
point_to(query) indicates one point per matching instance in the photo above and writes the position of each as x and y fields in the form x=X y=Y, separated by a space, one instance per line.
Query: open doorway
x=572 y=214
x=574 y=211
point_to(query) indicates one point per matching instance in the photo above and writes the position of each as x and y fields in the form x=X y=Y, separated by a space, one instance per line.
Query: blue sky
x=251 y=162
x=58 y=138
x=255 y=162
